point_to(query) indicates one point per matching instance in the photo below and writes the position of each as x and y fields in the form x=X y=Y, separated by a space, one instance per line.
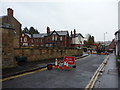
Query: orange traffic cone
x=64 y=64
x=60 y=65
x=67 y=67
x=56 y=63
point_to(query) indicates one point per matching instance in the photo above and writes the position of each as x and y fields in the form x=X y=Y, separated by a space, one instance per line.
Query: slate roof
x=61 y=33
x=79 y=34
x=39 y=35
x=28 y=35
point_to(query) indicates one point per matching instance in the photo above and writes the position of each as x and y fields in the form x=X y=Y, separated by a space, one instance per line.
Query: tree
x=91 y=40
x=33 y=31
x=30 y=31
x=25 y=30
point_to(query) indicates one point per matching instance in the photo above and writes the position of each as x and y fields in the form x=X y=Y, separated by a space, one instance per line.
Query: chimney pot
x=74 y=32
x=48 y=30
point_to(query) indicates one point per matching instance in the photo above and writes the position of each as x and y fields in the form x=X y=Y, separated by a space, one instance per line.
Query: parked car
x=110 y=50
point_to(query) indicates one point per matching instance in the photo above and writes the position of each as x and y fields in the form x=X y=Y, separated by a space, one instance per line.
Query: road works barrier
x=65 y=64
x=96 y=74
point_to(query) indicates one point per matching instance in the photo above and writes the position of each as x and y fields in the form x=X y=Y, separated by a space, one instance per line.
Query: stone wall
x=8 y=52
x=8 y=60
x=37 y=54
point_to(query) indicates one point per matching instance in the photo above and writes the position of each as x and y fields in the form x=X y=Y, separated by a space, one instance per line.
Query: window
x=60 y=38
x=23 y=35
x=37 y=40
x=55 y=38
x=25 y=39
x=41 y=40
x=32 y=40
x=46 y=45
x=25 y=44
x=21 y=39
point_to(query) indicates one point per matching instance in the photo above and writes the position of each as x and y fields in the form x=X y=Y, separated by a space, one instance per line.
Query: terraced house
x=49 y=39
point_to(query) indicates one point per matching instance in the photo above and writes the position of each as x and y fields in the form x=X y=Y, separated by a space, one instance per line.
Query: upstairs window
x=22 y=35
x=41 y=40
x=37 y=40
x=25 y=39
x=32 y=40
x=60 y=38
x=55 y=38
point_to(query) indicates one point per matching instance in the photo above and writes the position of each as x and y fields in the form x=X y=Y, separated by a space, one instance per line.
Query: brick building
x=57 y=39
x=49 y=39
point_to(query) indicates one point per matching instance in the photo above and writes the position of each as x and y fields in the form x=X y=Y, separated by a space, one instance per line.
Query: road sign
x=69 y=59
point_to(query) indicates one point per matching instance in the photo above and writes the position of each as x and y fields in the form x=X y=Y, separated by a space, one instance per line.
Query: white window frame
x=22 y=35
x=55 y=38
x=61 y=38
x=25 y=39
x=32 y=40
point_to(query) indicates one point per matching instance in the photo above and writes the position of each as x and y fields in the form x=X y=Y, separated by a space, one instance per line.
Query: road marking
x=20 y=75
x=91 y=83
x=82 y=58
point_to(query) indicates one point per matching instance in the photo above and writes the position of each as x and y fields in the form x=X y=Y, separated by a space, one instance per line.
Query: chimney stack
x=71 y=34
x=74 y=32
x=48 y=30
x=10 y=12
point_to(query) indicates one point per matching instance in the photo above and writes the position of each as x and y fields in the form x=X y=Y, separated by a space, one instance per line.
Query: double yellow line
x=16 y=76
x=91 y=83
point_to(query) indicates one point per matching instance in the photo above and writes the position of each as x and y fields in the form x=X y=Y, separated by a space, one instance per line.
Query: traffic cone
x=56 y=63
x=67 y=67
x=60 y=65
x=64 y=64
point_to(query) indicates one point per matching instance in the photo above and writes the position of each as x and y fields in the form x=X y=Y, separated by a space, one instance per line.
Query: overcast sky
x=86 y=16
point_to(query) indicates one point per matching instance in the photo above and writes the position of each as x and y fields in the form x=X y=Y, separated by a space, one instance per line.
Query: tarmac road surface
x=75 y=78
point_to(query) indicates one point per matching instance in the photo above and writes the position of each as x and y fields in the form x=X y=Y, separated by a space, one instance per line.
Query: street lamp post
x=104 y=40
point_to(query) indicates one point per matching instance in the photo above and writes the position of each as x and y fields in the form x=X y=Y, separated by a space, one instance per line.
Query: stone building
x=9 y=19
x=7 y=34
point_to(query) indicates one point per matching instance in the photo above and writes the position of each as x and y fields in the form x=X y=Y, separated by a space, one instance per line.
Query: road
x=75 y=78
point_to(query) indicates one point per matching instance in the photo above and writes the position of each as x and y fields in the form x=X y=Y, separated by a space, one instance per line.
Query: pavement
x=30 y=66
x=110 y=77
